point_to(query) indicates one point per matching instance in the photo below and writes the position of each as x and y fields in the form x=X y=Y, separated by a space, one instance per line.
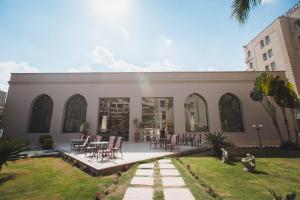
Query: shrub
x=217 y=140
x=46 y=141
x=287 y=145
x=9 y=148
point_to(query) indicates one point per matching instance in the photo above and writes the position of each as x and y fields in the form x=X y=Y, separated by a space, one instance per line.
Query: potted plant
x=138 y=125
x=217 y=141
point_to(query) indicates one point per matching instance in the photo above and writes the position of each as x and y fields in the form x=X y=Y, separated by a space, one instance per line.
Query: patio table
x=98 y=145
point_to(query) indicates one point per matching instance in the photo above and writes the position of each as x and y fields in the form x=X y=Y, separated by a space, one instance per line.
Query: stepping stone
x=146 y=166
x=172 y=182
x=169 y=172
x=138 y=194
x=178 y=193
x=166 y=161
x=144 y=172
x=142 y=181
x=166 y=166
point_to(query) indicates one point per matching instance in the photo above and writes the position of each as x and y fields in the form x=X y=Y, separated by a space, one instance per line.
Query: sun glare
x=111 y=9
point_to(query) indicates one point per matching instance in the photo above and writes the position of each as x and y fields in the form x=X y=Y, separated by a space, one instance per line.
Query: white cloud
x=80 y=69
x=107 y=59
x=6 y=68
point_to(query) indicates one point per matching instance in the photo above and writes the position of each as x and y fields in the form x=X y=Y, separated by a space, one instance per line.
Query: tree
x=242 y=8
x=262 y=93
x=270 y=90
x=9 y=148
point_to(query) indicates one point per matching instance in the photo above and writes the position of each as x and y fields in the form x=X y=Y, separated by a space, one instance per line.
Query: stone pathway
x=143 y=183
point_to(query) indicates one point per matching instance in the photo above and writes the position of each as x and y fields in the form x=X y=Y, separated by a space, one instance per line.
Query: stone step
x=169 y=172
x=142 y=181
x=178 y=193
x=165 y=161
x=166 y=166
x=172 y=182
x=144 y=172
x=146 y=166
x=138 y=194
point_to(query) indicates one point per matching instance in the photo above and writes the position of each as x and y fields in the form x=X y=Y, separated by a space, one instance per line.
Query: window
x=267 y=68
x=273 y=66
x=114 y=117
x=249 y=53
x=156 y=116
x=230 y=113
x=262 y=44
x=270 y=53
x=251 y=65
x=297 y=24
x=195 y=114
x=41 y=115
x=75 y=114
x=264 y=56
x=267 y=40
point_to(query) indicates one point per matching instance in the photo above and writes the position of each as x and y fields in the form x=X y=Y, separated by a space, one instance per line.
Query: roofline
x=264 y=29
x=175 y=72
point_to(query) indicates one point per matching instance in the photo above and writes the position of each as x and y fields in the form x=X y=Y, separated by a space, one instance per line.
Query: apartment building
x=277 y=47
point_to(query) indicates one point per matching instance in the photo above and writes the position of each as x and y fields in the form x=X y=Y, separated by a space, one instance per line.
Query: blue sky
x=126 y=35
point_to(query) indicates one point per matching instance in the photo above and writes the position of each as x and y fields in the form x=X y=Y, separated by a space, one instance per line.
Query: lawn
x=53 y=178
x=276 y=169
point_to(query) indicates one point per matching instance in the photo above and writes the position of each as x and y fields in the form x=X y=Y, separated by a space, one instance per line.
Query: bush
x=217 y=140
x=287 y=145
x=9 y=148
x=46 y=141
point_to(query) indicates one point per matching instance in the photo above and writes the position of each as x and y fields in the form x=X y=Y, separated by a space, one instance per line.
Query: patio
x=132 y=153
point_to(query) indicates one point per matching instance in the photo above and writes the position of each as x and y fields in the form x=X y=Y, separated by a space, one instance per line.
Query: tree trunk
x=296 y=126
x=274 y=120
x=278 y=130
x=286 y=123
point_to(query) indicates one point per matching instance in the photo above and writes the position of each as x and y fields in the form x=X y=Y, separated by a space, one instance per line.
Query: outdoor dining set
x=95 y=146
x=174 y=141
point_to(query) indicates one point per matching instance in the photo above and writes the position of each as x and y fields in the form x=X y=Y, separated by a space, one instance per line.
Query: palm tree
x=262 y=93
x=242 y=8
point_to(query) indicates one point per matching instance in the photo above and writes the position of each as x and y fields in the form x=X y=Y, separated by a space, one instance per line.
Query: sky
x=126 y=35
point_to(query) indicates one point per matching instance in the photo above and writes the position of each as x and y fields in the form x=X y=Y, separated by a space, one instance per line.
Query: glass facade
x=230 y=113
x=114 y=117
x=41 y=115
x=195 y=114
x=75 y=114
x=157 y=114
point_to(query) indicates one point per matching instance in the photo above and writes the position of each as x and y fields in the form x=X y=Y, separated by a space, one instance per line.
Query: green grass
x=276 y=169
x=53 y=178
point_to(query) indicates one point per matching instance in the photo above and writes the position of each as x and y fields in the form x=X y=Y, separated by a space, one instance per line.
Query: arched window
x=195 y=113
x=230 y=113
x=75 y=114
x=41 y=115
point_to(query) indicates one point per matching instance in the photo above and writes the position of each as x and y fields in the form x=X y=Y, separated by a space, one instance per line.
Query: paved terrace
x=132 y=152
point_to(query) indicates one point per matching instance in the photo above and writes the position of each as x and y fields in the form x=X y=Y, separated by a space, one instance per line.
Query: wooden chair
x=118 y=146
x=108 y=152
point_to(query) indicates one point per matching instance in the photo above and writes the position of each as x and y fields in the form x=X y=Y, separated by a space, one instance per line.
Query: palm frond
x=241 y=9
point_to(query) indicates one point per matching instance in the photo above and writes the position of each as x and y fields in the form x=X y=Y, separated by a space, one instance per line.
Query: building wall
x=24 y=88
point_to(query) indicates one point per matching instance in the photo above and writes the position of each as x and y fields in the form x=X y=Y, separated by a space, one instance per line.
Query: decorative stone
x=144 y=172
x=142 y=181
x=165 y=161
x=225 y=157
x=138 y=194
x=166 y=166
x=178 y=193
x=249 y=163
x=172 y=182
x=146 y=166
x=169 y=172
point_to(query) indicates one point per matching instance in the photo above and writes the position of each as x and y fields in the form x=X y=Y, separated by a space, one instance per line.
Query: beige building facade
x=178 y=102
x=277 y=47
